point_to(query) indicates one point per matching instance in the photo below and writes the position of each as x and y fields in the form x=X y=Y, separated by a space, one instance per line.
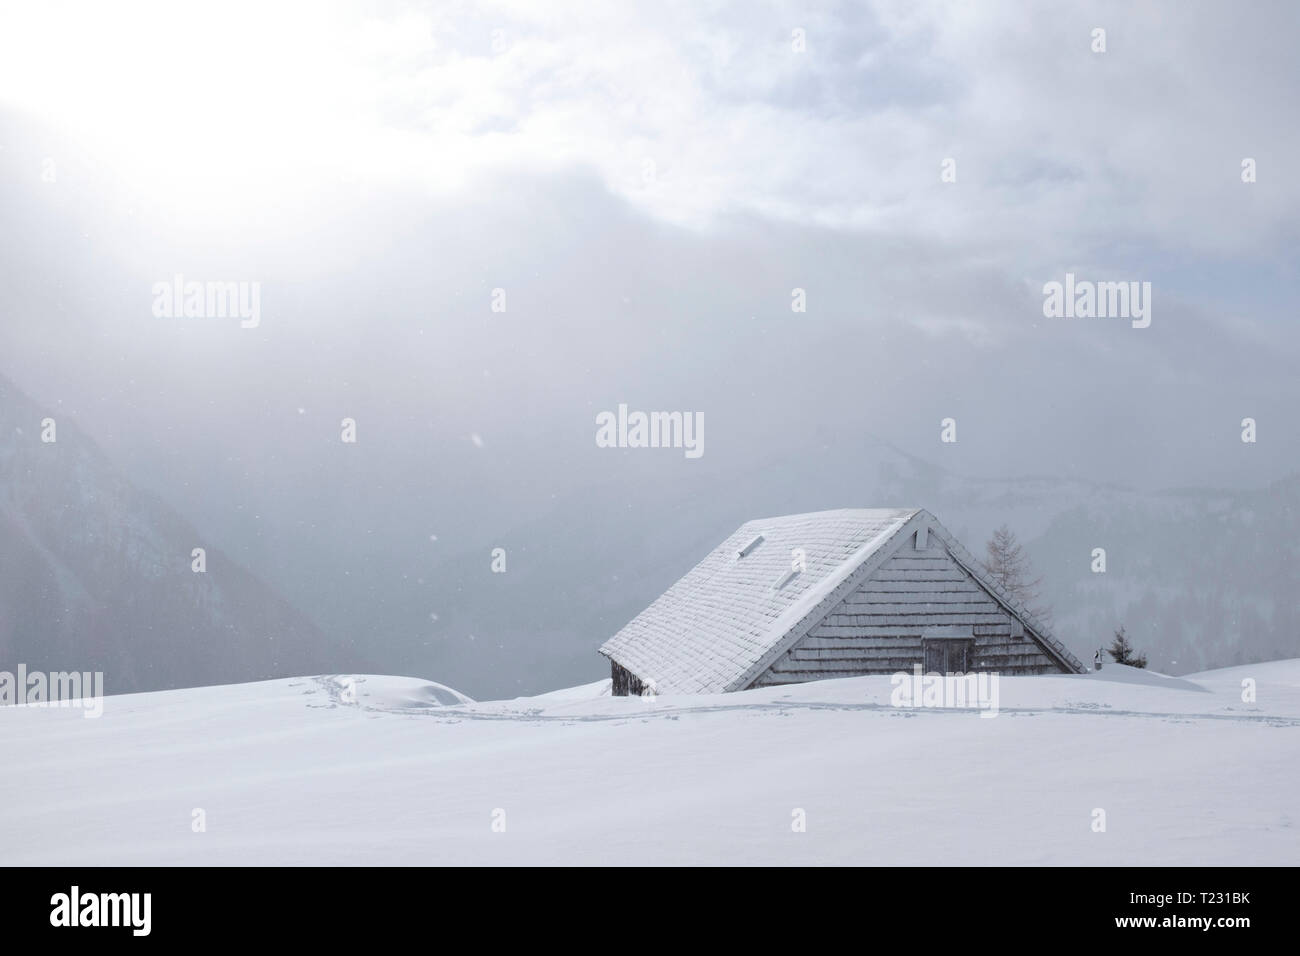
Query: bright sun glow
x=217 y=107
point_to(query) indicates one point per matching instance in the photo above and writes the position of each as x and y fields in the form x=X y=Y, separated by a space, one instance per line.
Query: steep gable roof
x=711 y=628
x=725 y=622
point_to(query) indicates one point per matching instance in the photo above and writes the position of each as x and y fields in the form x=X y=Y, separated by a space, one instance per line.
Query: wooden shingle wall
x=879 y=628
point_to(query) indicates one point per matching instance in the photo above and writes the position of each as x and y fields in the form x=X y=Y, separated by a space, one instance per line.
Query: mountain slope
x=95 y=575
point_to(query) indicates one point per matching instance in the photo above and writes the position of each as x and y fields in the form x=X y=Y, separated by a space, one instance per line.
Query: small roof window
x=785 y=579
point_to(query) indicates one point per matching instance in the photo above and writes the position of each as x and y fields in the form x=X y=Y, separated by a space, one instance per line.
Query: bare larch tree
x=1007 y=564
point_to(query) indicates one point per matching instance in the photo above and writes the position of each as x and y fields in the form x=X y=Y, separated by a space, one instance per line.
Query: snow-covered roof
x=723 y=624
x=711 y=631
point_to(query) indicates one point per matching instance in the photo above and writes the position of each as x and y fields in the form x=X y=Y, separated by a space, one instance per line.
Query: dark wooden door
x=948 y=656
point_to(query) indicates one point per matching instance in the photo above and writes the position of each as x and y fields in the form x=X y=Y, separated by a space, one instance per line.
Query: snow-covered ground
x=291 y=772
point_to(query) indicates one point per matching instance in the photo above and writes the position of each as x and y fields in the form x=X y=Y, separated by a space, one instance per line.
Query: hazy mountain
x=95 y=575
x=1199 y=578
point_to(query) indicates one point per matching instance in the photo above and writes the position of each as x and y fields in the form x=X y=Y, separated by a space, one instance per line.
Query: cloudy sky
x=809 y=138
x=694 y=112
x=648 y=182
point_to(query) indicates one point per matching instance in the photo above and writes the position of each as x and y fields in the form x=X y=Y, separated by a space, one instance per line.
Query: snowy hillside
x=389 y=770
x=97 y=574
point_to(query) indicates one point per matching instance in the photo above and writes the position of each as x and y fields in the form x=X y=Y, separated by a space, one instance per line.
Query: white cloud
x=693 y=113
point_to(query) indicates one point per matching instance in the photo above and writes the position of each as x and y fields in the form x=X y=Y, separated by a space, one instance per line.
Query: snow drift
x=390 y=770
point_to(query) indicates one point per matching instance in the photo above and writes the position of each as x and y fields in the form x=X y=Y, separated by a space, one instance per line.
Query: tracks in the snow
x=344 y=694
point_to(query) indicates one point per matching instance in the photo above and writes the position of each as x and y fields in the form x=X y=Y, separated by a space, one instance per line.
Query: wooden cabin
x=829 y=594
